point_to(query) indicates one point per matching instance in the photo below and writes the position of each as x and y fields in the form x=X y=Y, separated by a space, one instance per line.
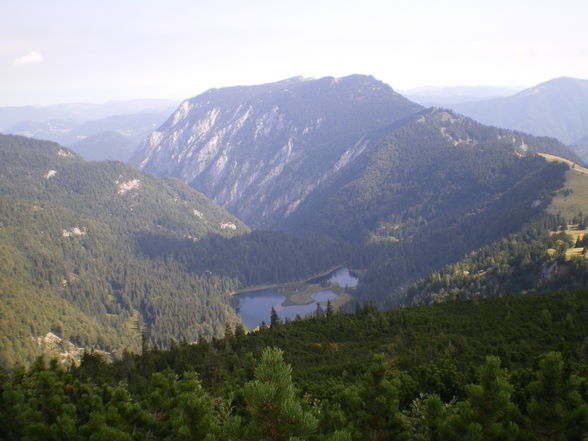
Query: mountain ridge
x=556 y=108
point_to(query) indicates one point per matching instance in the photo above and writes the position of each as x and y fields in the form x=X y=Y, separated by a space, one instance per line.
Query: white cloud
x=30 y=58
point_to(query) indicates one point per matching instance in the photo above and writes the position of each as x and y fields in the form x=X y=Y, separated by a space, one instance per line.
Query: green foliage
x=530 y=392
x=373 y=403
x=529 y=261
x=556 y=409
x=434 y=189
x=273 y=411
x=98 y=264
x=425 y=416
x=430 y=172
x=70 y=262
x=260 y=257
x=488 y=413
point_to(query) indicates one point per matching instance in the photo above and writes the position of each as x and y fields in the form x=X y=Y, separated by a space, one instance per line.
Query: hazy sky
x=54 y=51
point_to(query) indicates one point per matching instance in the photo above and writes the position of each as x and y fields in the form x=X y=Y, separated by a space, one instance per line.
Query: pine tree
x=274 y=412
x=488 y=414
x=425 y=417
x=330 y=310
x=372 y=405
x=556 y=408
x=274 y=318
x=381 y=401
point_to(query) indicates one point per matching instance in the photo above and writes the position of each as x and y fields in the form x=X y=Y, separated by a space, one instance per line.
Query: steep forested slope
x=430 y=171
x=530 y=261
x=547 y=254
x=70 y=260
x=99 y=253
x=415 y=189
x=437 y=187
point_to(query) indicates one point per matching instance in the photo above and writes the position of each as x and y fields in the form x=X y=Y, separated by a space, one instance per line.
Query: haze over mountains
x=444 y=96
x=89 y=128
x=557 y=108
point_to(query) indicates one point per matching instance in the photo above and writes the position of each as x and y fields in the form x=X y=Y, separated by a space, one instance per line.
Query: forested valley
x=100 y=254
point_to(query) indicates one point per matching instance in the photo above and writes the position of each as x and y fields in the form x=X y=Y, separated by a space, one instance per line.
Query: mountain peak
x=559 y=85
x=242 y=145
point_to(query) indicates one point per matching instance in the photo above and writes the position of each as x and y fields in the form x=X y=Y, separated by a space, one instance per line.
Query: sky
x=58 y=51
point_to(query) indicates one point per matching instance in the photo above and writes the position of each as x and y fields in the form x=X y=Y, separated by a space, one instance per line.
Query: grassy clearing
x=133 y=322
x=573 y=165
x=573 y=197
x=575 y=232
x=571 y=200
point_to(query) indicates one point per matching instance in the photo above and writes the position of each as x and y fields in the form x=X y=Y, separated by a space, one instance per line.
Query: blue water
x=343 y=278
x=256 y=306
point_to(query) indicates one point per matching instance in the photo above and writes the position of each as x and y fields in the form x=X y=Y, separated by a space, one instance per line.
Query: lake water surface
x=256 y=306
x=341 y=277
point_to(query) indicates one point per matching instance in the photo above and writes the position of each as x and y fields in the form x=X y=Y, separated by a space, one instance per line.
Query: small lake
x=256 y=306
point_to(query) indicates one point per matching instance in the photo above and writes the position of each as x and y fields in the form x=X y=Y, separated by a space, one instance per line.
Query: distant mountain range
x=580 y=147
x=445 y=96
x=106 y=145
x=557 y=108
x=79 y=112
x=72 y=124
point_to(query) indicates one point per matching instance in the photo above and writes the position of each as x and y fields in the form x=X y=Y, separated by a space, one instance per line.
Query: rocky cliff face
x=261 y=150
